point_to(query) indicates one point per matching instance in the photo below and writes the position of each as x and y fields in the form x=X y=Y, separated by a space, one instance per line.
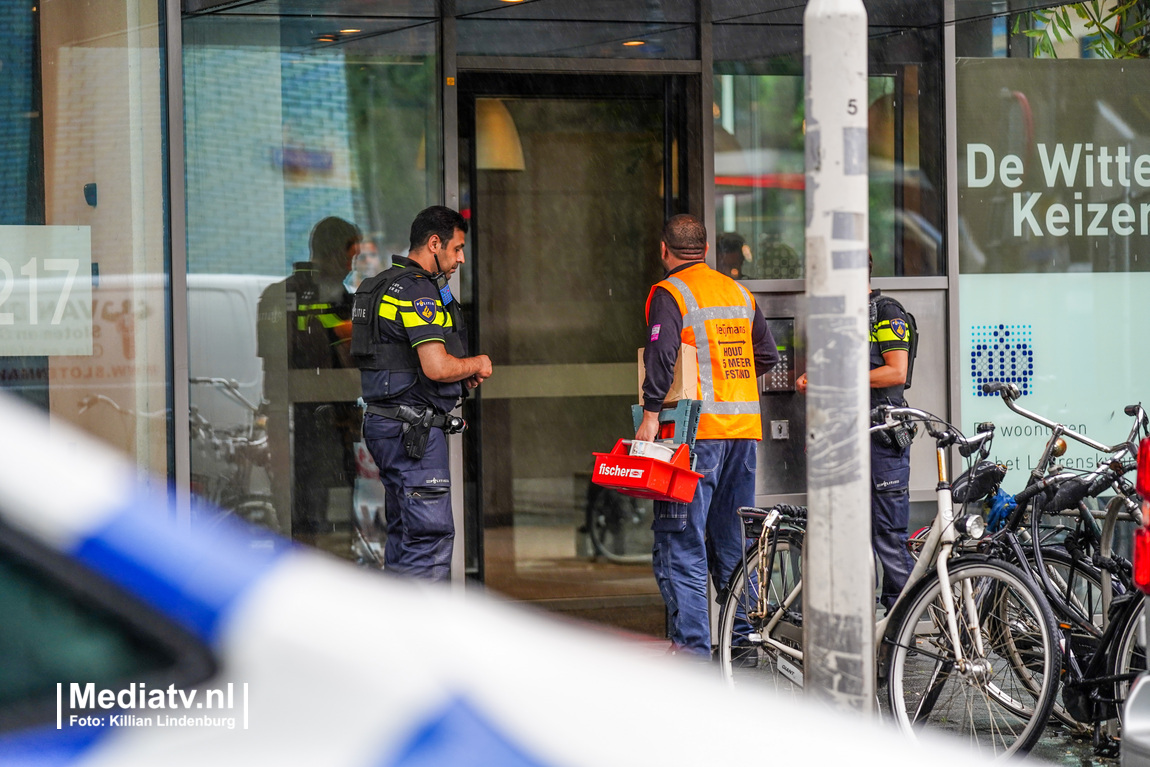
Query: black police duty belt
x=898 y=436
x=413 y=415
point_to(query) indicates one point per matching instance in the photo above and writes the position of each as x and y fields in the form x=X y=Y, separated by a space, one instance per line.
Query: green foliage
x=1118 y=32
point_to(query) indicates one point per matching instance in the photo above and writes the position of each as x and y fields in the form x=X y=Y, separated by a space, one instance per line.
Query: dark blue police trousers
x=417 y=501
x=890 y=515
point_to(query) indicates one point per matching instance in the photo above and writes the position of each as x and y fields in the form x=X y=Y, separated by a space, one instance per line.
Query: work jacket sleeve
x=763 y=343
x=664 y=335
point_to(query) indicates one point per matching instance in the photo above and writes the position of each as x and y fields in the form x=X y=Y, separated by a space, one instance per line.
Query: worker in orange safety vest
x=698 y=306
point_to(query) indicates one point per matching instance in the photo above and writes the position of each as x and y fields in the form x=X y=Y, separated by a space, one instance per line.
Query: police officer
x=408 y=341
x=889 y=461
x=304 y=323
x=698 y=306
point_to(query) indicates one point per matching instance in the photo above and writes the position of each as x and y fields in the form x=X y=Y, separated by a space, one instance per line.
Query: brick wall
x=267 y=147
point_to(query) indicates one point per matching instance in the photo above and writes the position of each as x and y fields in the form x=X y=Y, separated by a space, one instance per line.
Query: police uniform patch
x=898 y=327
x=425 y=308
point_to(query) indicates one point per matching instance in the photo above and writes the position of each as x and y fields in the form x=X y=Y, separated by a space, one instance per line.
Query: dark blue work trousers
x=703 y=535
x=417 y=501
x=890 y=515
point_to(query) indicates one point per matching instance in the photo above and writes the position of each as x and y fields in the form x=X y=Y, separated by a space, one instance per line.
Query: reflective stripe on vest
x=881 y=332
x=730 y=406
x=328 y=320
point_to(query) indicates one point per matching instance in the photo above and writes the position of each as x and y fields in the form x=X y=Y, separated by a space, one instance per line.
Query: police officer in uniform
x=304 y=323
x=409 y=343
x=698 y=306
x=889 y=461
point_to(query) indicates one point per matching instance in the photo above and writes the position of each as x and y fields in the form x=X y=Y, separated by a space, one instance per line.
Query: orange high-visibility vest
x=717 y=318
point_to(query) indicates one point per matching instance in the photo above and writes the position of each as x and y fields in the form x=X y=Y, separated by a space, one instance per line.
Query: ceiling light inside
x=349 y=31
x=635 y=42
x=497 y=144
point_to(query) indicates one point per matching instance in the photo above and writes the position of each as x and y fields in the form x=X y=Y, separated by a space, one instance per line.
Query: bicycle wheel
x=760 y=631
x=613 y=519
x=999 y=695
x=1080 y=585
x=1129 y=658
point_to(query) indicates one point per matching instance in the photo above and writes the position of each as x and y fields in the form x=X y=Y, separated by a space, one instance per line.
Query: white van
x=222 y=342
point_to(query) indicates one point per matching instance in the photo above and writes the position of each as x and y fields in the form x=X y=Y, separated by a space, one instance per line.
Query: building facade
x=168 y=163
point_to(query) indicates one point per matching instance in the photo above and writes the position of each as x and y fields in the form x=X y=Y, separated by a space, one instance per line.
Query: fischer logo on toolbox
x=619 y=471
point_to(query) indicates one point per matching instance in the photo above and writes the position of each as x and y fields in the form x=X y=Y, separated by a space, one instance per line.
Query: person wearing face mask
x=410 y=346
x=366 y=263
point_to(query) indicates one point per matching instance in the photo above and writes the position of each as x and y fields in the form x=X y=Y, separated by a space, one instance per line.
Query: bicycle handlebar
x=1072 y=489
x=1035 y=488
x=1008 y=390
x=92 y=399
x=969 y=446
x=230 y=388
x=946 y=436
x=1009 y=393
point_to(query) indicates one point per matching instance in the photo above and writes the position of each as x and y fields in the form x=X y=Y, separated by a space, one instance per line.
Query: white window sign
x=45 y=290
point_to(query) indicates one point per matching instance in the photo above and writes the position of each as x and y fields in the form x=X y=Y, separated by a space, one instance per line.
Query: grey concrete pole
x=838 y=591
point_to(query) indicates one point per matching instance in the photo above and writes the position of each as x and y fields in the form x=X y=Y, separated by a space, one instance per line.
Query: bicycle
x=1103 y=649
x=613 y=519
x=1087 y=586
x=224 y=461
x=1065 y=490
x=969 y=646
x=231 y=467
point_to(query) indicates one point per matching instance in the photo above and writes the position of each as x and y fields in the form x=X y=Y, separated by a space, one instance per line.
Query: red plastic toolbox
x=644 y=477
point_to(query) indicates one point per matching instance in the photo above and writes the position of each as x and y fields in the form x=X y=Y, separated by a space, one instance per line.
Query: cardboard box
x=686 y=383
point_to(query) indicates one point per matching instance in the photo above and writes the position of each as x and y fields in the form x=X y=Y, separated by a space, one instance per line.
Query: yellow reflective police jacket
x=717 y=318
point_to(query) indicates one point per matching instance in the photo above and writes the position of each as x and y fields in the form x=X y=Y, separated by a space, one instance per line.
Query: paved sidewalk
x=1056 y=747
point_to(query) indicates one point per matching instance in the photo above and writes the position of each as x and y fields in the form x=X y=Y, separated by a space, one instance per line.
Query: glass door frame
x=678 y=89
x=698 y=159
